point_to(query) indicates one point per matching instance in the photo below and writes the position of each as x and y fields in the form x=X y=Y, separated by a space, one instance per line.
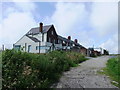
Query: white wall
x=28 y=41
x=45 y=37
x=33 y=44
x=39 y=36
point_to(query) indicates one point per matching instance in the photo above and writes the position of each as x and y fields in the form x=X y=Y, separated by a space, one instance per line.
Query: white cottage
x=43 y=39
x=39 y=40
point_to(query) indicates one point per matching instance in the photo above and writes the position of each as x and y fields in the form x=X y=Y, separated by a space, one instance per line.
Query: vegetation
x=113 y=70
x=0 y=69
x=26 y=70
x=0 y=60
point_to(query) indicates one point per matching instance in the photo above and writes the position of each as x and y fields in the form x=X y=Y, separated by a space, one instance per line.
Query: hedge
x=27 y=70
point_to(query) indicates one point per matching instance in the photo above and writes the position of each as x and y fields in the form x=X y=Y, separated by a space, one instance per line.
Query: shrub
x=21 y=69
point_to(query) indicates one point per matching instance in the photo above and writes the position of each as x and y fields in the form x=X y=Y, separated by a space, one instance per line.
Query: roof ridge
x=35 y=30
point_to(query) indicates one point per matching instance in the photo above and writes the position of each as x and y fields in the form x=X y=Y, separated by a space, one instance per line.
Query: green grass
x=113 y=70
x=0 y=69
x=21 y=69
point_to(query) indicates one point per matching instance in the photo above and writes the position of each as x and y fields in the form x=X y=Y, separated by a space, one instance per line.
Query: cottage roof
x=66 y=40
x=83 y=47
x=63 y=38
x=33 y=38
x=77 y=44
x=36 y=30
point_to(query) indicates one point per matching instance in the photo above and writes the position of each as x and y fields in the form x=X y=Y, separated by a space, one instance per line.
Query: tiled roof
x=33 y=38
x=63 y=38
x=66 y=40
x=36 y=30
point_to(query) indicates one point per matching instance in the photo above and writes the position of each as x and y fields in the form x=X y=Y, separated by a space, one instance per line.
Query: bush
x=75 y=57
x=21 y=69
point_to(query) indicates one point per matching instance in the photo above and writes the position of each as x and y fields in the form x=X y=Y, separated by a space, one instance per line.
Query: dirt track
x=86 y=75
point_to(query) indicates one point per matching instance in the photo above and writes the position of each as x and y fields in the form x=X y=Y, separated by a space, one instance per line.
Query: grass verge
x=113 y=70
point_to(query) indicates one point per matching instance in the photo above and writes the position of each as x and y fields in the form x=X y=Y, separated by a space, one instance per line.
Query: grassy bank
x=113 y=70
x=25 y=70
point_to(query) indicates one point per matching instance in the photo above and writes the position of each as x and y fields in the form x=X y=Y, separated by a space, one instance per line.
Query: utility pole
x=3 y=47
x=13 y=46
x=25 y=47
x=101 y=50
x=39 y=46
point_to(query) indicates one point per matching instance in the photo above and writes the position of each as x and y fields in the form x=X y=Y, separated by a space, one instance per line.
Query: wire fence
x=6 y=46
x=2 y=48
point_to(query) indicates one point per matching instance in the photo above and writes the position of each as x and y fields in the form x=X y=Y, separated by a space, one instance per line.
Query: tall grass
x=26 y=70
x=113 y=69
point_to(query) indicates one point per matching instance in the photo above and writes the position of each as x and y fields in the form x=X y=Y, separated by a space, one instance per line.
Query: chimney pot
x=41 y=27
x=69 y=37
x=76 y=41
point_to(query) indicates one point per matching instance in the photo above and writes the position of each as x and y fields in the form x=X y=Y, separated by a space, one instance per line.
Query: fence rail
x=6 y=46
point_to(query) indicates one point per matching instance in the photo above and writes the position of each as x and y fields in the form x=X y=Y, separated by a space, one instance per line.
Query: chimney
x=69 y=37
x=76 y=41
x=41 y=27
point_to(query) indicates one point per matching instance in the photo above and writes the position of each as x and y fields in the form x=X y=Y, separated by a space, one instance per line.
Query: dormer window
x=52 y=32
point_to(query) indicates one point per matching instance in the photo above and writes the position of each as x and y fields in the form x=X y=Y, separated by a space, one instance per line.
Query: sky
x=92 y=23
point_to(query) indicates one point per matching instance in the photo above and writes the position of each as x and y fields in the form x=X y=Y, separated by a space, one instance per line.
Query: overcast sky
x=92 y=23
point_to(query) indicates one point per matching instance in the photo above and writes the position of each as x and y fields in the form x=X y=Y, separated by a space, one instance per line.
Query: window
x=36 y=47
x=41 y=47
x=29 y=48
x=54 y=41
x=49 y=39
x=58 y=41
x=52 y=32
x=17 y=47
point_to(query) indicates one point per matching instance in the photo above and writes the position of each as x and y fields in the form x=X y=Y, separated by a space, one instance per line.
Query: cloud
x=70 y=19
x=0 y=12
x=104 y=18
x=111 y=44
x=16 y=24
x=26 y=6
x=65 y=17
x=94 y=26
x=104 y=21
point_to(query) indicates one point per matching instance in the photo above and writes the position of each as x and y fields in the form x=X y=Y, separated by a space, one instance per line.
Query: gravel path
x=86 y=76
